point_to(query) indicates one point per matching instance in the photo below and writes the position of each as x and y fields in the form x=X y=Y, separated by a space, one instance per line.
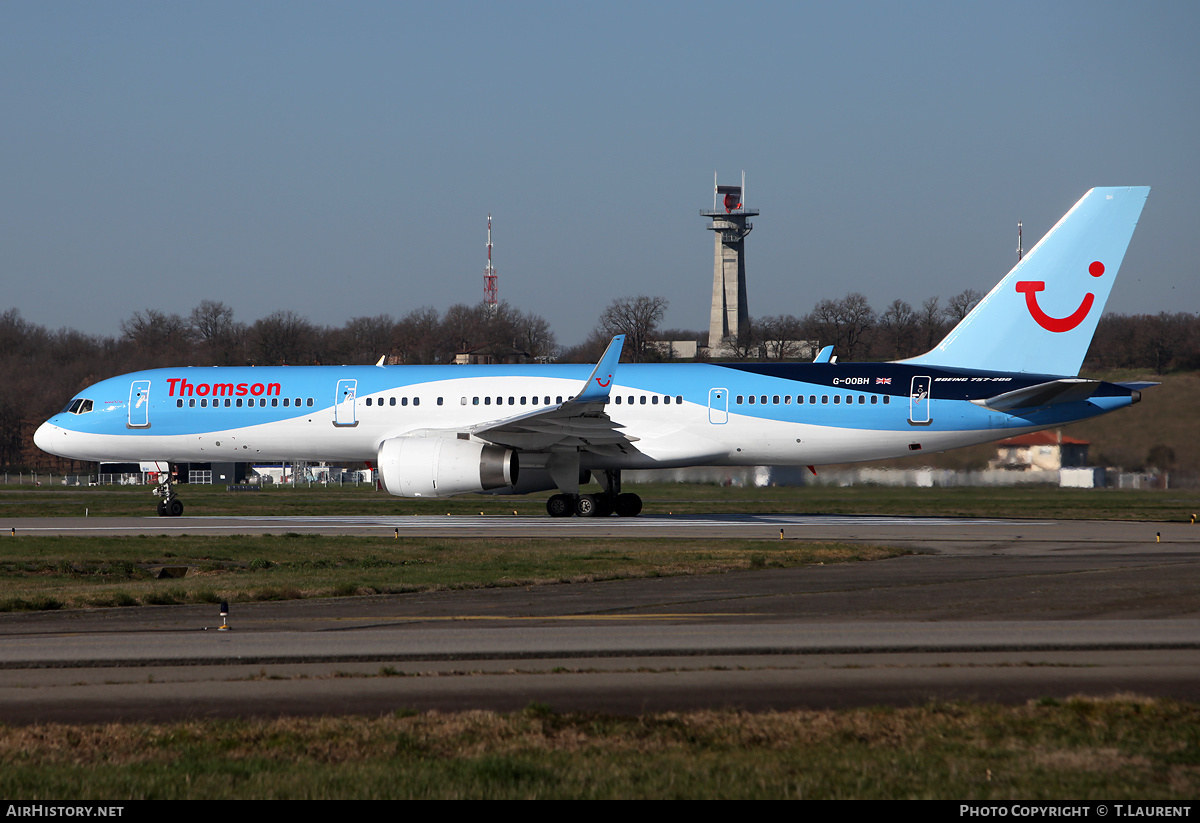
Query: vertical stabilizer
x=1041 y=317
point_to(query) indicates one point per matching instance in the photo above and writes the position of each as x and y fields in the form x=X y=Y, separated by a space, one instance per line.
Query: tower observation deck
x=730 y=316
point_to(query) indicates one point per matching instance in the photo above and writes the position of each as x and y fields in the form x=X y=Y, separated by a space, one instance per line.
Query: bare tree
x=19 y=338
x=746 y=344
x=637 y=318
x=12 y=430
x=1163 y=336
x=501 y=324
x=154 y=330
x=283 y=337
x=898 y=330
x=780 y=336
x=589 y=351
x=960 y=305
x=366 y=339
x=418 y=337
x=534 y=335
x=216 y=332
x=464 y=327
x=843 y=323
x=930 y=326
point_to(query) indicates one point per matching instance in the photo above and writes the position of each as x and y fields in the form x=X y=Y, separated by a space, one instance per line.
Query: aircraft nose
x=46 y=436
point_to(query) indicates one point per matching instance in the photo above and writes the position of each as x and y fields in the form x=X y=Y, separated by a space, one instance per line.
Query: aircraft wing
x=580 y=422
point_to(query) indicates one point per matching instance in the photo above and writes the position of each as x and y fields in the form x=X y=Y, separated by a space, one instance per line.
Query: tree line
x=850 y=325
x=1153 y=342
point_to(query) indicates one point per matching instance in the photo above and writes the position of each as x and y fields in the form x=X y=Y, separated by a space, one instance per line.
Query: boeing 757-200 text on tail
x=1009 y=367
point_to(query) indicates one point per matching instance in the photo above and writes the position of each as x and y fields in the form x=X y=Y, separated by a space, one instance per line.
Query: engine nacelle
x=443 y=466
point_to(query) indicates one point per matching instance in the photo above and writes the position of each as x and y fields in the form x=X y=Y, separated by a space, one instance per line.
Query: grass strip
x=45 y=573
x=1079 y=749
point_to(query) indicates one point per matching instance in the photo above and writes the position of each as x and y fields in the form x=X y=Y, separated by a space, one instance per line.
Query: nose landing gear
x=169 y=504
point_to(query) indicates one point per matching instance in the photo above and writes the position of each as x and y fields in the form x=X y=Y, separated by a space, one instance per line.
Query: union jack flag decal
x=883 y=381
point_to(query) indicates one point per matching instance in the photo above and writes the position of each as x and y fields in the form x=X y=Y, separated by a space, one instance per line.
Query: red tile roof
x=1043 y=438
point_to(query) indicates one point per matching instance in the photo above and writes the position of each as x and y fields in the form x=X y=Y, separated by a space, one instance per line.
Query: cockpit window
x=78 y=406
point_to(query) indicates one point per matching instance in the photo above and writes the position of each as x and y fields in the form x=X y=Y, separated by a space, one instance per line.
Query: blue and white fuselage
x=670 y=414
x=441 y=430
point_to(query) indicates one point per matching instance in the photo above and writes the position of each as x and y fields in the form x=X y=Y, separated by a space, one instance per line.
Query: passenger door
x=139 y=405
x=918 y=402
x=344 y=402
x=718 y=406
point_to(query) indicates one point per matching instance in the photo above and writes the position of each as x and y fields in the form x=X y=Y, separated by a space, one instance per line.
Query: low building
x=1047 y=451
x=491 y=353
x=675 y=349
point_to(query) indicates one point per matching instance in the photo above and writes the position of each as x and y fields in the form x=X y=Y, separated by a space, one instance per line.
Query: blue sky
x=340 y=159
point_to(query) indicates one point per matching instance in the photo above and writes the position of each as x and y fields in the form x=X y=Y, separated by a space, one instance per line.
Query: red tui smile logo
x=604 y=383
x=1030 y=288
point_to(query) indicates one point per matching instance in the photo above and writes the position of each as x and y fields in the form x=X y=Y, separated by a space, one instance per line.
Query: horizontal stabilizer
x=1067 y=390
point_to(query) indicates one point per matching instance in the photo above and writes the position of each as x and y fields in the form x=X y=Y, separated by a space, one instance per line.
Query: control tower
x=730 y=315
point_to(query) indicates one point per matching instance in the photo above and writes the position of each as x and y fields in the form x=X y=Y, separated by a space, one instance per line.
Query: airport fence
x=1090 y=477
x=195 y=477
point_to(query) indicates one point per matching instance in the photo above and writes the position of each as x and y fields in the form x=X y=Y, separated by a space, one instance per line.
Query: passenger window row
x=774 y=399
x=391 y=401
x=512 y=401
x=250 y=402
x=286 y=402
x=654 y=399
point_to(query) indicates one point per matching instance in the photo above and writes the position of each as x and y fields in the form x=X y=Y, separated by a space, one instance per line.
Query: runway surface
x=935 y=533
x=992 y=609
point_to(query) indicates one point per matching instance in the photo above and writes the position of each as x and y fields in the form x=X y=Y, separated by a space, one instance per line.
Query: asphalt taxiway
x=990 y=609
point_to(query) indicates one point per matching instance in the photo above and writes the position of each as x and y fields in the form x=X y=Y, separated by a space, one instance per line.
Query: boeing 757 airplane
x=1008 y=368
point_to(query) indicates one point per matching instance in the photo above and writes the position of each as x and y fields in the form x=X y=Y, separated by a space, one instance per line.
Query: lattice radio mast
x=489 y=276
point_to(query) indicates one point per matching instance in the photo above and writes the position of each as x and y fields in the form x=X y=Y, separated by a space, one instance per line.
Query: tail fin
x=1041 y=317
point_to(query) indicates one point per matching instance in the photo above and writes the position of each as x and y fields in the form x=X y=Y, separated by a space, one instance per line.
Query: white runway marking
x=727 y=525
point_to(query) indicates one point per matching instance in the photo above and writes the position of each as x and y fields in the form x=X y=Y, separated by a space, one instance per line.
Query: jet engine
x=441 y=466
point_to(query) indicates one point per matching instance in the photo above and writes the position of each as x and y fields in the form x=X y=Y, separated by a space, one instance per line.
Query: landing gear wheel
x=629 y=505
x=169 y=505
x=587 y=505
x=560 y=505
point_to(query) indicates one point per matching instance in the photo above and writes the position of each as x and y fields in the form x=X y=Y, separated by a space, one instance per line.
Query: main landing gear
x=610 y=501
x=169 y=504
x=594 y=505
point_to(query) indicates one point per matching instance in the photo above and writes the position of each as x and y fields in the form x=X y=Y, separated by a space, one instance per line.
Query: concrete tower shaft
x=730 y=315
